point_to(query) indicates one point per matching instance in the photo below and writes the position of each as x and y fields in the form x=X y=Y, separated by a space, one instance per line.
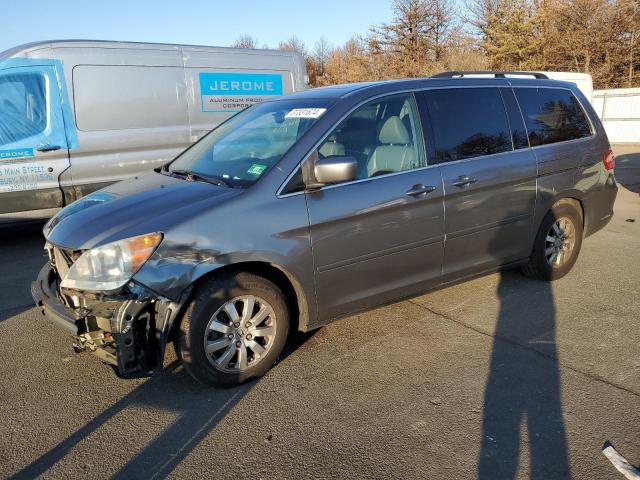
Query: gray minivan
x=308 y=208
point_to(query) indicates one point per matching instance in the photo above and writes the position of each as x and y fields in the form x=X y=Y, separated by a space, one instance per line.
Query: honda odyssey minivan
x=304 y=209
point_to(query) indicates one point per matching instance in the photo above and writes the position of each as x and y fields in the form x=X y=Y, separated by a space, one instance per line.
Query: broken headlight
x=111 y=266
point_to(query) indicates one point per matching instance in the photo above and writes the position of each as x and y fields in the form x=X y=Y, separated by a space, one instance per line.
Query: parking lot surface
x=500 y=377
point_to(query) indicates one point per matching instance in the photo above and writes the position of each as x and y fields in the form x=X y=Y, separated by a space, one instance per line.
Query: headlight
x=111 y=266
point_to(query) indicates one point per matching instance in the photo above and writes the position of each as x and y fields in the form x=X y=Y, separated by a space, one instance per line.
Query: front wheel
x=234 y=329
x=557 y=243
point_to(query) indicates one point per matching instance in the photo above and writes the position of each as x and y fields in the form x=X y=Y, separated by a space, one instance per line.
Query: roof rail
x=496 y=74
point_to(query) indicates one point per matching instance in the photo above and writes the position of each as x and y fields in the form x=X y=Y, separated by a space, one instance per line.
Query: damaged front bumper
x=128 y=330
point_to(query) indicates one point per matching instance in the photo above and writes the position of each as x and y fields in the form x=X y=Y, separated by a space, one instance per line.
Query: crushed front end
x=128 y=328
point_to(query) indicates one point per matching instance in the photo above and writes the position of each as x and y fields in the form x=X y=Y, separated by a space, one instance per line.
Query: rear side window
x=467 y=122
x=552 y=115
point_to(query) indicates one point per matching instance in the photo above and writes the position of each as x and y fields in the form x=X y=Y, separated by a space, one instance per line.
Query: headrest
x=393 y=131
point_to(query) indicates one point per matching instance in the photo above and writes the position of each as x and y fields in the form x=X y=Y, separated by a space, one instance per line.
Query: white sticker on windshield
x=305 y=113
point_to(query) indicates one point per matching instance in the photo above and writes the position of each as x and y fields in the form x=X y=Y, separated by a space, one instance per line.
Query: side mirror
x=333 y=170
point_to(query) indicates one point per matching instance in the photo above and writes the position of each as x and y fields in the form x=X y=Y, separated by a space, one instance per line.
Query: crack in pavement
x=537 y=352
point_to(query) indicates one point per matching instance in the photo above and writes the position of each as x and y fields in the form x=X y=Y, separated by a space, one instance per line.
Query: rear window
x=468 y=122
x=552 y=115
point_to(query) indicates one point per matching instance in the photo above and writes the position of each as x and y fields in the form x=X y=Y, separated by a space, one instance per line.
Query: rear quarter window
x=467 y=122
x=552 y=115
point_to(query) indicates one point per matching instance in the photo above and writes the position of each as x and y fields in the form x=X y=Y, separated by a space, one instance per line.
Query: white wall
x=619 y=110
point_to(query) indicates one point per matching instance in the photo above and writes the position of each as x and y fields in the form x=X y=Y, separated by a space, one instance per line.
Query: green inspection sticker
x=257 y=169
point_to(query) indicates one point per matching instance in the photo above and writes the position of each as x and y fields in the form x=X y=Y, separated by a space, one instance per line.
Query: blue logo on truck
x=231 y=92
x=240 y=84
x=16 y=154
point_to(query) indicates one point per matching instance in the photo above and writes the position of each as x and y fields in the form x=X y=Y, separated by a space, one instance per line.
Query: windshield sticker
x=232 y=92
x=16 y=154
x=257 y=169
x=306 y=113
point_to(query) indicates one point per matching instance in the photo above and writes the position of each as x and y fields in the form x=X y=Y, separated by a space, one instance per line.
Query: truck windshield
x=246 y=146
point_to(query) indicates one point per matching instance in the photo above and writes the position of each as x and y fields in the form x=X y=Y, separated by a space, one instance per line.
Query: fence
x=619 y=110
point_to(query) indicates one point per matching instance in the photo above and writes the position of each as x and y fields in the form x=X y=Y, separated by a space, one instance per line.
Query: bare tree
x=293 y=44
x=601 y=37
x=442 y=22
x=321 y=52
x=415 y=38
x=350 y=63
x=245 y=41
x=626 y=38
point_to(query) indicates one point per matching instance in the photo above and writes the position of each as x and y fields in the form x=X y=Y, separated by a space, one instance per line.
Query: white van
x=76 y=116
x=583 y=81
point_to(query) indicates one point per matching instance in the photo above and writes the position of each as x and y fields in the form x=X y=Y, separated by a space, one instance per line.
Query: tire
x=539 y=266
x=209 y=320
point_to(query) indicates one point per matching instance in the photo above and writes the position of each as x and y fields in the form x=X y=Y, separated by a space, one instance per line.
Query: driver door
x=33 y=143
x=380 y=237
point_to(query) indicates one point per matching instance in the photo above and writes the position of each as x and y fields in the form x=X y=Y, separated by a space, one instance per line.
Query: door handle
x=48 y=148
x=419 y=189
x=464 y=181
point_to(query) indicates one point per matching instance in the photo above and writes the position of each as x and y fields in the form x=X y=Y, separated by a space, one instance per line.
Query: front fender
x=174 y=269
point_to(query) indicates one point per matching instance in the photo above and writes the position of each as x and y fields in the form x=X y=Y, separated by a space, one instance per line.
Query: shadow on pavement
x=628 y=171
x=523 y=388
x=200 y=408
x=21 y=258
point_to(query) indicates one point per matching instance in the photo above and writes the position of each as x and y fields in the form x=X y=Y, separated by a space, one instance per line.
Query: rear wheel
x=234 y=329
x=557 y=243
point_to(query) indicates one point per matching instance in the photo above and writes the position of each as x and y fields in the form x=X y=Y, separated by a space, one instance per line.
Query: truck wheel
x=557 y=243
x=233 y=330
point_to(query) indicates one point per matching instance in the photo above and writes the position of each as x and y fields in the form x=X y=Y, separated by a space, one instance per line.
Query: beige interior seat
x=396 y=153
x=331 y=147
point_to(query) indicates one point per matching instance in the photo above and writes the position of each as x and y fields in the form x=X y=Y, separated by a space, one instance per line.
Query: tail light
x=609 y=160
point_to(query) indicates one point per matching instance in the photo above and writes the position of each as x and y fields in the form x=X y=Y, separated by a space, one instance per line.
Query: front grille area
x=62 y=259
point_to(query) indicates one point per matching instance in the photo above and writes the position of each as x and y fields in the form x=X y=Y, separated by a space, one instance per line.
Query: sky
x=197 y=22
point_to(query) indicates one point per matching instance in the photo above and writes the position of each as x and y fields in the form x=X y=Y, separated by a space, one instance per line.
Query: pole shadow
x=200 y=408
x=523 y=385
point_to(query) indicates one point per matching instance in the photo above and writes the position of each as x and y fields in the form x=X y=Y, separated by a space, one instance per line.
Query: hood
x=147 y=204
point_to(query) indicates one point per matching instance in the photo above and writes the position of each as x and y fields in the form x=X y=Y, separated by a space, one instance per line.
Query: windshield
x=246 y=146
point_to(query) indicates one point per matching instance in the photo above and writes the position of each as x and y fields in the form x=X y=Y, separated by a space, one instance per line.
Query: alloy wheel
x=240 y=333
x=560 y=242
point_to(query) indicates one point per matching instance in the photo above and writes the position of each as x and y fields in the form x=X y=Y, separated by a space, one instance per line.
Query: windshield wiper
x=213 y=179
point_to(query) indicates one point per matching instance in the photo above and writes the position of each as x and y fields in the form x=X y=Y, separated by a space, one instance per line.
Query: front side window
x=383 y=136
x=552 y=115
x=23 y=107
x=468 y=122
x=246 y=146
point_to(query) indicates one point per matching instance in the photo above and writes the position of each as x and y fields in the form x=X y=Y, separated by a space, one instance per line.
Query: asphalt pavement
x=500 y=377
